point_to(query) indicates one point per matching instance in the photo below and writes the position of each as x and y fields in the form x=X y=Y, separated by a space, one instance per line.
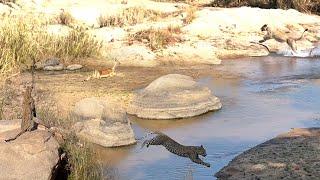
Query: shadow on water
x=274 y=95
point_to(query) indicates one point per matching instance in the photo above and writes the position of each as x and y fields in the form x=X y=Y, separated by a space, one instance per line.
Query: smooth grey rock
x=89 y=108
x=173 y=96
x=51 y=62
x=94 y=108
x=104 y=133
x=59 y=67
x=29 y=156
x=103 y=122
x=74 y=67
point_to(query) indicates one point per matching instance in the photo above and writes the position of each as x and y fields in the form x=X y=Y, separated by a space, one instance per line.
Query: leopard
x=191 y=152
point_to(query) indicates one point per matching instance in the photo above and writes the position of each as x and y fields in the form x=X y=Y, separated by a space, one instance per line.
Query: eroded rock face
x=104 y=123
x=173 y=96
x=29 y=156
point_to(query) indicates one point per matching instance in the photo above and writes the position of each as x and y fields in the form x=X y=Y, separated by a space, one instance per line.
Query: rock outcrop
x=173 y=96
x=30 y=156
x=104 y=123
x=293 y=155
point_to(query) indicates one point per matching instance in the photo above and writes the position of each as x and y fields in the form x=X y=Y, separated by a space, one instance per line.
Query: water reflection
x=276 y=94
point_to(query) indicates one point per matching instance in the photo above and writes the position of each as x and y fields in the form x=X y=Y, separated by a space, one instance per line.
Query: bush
x=21 y=41
x=129 y=16
x=158 y=38
x=309 y=6
x=80 y=160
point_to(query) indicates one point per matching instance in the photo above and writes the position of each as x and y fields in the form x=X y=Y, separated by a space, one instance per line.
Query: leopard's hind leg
x=158 y=140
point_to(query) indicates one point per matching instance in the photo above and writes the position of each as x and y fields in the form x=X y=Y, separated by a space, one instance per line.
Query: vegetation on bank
x=309 y=6
x=130 y=16
x=80 y=161
x=23 y=40
x=158 y=38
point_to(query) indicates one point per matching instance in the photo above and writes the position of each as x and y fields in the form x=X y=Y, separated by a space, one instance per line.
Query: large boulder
x=103 y=122
x=173 y=96
x=30 y=156
x=104 y=133
x=95 y=108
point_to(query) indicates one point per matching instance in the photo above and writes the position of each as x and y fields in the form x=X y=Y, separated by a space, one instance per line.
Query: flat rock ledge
x=103 y=122
x=29 y=156
x=293 y=155
x=173 y=96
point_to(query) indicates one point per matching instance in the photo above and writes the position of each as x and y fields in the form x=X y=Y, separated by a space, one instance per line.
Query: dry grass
x=81 y=161
x=309 y=6
x=190 y=14
x=184 y=1
x=158 y=38
x=130 y=16
x=65 y=18
x=22 y=40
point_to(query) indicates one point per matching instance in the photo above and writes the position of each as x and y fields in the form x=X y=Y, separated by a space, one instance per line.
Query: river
x=273 y=95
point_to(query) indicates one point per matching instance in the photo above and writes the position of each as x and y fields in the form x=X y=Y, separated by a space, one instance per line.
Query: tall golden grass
x=130 y=16
x=22 y=40
x=81 y=161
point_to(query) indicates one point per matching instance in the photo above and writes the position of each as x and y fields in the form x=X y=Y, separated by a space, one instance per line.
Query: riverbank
x=292 y=155
x=148 y=33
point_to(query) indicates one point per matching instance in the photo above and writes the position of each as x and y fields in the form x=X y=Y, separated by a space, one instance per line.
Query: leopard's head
x=201 y=151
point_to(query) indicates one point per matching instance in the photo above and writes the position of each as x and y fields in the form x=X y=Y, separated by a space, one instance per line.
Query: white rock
x=200 y=52
x=135 y=55
x=108 y=34
x=74 y=67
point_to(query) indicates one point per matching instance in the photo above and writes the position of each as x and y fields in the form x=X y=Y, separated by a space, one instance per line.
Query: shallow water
x=274 y=95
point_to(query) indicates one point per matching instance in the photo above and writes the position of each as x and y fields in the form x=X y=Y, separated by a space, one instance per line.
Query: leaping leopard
x=174 y=147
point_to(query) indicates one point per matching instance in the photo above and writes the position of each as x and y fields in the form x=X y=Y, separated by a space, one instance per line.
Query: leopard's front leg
x=195 y=158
